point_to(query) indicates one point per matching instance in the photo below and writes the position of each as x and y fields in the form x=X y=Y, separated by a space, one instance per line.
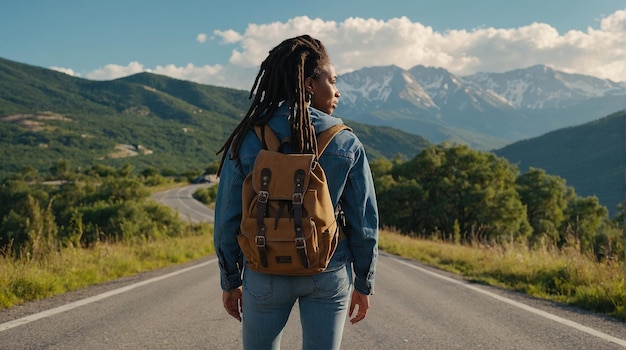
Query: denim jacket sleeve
x=363 y=228
x=226 y=225
x=358 y=200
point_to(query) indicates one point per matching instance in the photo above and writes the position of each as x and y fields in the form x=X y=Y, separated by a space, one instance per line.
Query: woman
x=294 y=89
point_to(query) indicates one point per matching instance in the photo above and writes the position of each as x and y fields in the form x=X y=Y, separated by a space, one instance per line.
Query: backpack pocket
x=283 y=253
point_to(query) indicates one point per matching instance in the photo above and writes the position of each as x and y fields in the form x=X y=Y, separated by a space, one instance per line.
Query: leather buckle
x=297 y=198
x=263 y=196
x=300 y=243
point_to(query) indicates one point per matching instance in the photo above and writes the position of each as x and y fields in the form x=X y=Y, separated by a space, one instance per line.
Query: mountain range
x=485 y=110
x=563 y=123
x=146 y=120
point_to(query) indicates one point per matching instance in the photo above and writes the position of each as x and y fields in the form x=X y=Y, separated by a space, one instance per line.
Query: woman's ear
x=308 y=84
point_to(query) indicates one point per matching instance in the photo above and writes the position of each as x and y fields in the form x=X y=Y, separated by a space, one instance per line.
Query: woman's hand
x=363 y=303
x=232 y=303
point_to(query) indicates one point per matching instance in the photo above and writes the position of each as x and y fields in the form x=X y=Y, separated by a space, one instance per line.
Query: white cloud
x=67 y=71
x=258 y=39
x=204 y=74
x=228 y=36
x=212 y=75
x=201 y=38
x=114 y=71
x=356 y=43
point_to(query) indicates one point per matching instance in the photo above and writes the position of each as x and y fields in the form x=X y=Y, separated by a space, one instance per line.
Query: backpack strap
x=272 y=142
x=298 y=195
x=269 y=140
x=324 y=138
x=262 y=199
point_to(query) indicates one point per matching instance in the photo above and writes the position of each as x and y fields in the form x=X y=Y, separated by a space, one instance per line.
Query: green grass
x=70 y=268
x=567 y=277
x=563 y=276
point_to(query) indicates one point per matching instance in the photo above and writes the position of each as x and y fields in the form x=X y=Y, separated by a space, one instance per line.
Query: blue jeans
x=323 y=300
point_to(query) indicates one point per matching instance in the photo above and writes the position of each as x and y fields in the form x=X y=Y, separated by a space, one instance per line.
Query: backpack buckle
x=263 y=196
x=260 y=241
x=296 y=198
x=300 y=243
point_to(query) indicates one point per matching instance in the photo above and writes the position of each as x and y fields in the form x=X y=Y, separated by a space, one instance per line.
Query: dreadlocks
x=281 y=77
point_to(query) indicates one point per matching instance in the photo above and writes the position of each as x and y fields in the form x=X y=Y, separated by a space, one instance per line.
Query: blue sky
x=222 y=42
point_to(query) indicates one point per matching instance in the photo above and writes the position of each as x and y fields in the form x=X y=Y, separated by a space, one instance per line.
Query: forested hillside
x=590 y=157
x=146 y=120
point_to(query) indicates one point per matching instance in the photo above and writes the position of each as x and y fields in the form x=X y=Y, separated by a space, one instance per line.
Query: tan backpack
x=289 y=225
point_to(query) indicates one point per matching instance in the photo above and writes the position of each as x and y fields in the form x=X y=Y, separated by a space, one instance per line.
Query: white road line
x=547 y=315
x=34 y=317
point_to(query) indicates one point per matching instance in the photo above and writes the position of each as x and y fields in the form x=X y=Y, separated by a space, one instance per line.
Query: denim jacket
x=349 y=179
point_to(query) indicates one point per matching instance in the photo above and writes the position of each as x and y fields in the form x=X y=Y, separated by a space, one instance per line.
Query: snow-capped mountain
x=447 y=89
x=485 y=110
x=541 y=87
x=376 y=87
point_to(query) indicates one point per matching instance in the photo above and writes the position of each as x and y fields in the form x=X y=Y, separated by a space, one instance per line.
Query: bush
x=101 y=204
x=206 y=195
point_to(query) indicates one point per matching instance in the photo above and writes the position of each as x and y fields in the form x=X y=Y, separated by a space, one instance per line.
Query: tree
x=29 y=229
x=544 y=198
x=380 y=167
x=17 y=198
x=61 y=170
x=480 y=188
x=101 y=170
x=150 y=172
x=120 y=189
x=455 y=191
x=401 y=206
x=29 y=173
x=212 y=167
x=126 y=170
x=583 y=220
x=621 y=213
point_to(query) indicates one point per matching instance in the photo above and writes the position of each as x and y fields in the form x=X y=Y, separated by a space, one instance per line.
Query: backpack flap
x=285 y=164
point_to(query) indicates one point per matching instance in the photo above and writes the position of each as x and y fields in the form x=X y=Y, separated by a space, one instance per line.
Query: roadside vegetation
x=462 y=196
x=565 y=276
x=70 y=268
x=206 y=195
x=88 y=227
x=475 y=214
x=460 y=210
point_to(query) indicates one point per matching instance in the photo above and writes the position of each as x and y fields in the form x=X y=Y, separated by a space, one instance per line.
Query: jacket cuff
x=363 y=286
x=231 y=282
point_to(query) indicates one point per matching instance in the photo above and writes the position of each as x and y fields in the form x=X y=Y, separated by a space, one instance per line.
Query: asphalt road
x=414 y=307
x=188 y=208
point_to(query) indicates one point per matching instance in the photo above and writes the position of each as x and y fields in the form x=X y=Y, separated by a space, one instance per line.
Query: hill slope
x=146 y=120
x=589 y=156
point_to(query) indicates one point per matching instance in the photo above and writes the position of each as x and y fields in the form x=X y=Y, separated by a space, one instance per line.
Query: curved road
x=182 y=201
x=415 y=307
